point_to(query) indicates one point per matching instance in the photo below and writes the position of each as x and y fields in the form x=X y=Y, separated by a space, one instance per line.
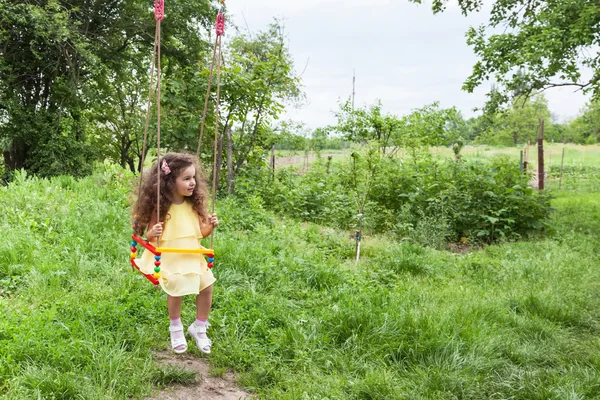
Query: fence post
x=521 y=162
x=273 y=162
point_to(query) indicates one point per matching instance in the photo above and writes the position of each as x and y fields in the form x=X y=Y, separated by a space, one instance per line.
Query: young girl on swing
x=183 y=221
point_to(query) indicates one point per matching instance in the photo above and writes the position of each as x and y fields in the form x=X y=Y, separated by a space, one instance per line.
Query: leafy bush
x=427 y=200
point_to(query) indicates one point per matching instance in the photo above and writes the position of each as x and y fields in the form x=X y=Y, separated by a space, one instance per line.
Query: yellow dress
x=180 y=274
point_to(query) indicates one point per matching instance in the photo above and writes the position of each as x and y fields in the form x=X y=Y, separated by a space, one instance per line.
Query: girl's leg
x=176 y=327
x=203 y=304
x=198 y=329
x=174 y=306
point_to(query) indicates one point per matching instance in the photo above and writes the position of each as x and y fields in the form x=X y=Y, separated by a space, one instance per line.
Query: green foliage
x=518 y=125
x=73 y=76
x=585 y=128
x=297 y=137
x=548 y=41
x=368 y=124
x=426 y=126
x=430 y=201
x=430 y=126
x=258 y=79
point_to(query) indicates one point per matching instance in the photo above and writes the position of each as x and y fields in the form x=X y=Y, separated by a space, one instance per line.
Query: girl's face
x=185 y=183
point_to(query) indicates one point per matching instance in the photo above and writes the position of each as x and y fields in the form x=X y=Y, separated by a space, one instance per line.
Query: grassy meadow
x=293 y=314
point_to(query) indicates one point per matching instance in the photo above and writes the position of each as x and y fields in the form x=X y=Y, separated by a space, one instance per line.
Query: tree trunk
x=15 y=156
x=131 y=164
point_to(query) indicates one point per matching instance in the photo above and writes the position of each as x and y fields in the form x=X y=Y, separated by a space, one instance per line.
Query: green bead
x=156 y=269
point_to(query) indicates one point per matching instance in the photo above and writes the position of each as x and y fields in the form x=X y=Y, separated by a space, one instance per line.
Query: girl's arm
x=155 y=231
x=207 y=228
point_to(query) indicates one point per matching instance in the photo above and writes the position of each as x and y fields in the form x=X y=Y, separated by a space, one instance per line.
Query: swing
x=159 y=8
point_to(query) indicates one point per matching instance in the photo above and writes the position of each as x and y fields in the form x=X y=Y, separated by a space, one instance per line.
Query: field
x=294 y=316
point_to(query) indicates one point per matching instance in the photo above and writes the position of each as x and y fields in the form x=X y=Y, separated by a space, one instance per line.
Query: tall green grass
x=293 y=314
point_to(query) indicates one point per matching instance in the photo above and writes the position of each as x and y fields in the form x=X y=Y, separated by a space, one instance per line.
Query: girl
x=183 y=221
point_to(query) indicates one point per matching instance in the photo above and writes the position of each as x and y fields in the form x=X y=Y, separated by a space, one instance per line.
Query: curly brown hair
x=144 y=209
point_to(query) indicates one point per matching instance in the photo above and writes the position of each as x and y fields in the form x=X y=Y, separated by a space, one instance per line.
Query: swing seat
x=157 y=251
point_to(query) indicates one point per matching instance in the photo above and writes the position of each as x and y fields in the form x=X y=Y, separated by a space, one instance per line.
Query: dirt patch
x=460 y=248
x=206 y=387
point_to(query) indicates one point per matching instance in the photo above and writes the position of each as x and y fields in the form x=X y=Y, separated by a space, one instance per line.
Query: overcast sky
x=402 y=54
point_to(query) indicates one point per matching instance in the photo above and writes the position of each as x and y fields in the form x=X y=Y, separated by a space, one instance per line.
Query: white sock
x=178 y=334
x=200 y=323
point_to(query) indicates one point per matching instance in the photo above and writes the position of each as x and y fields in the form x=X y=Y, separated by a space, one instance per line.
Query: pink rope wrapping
x=220 y=24
x=159 y=9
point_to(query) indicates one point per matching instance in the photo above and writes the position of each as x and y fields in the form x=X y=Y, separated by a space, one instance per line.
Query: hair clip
x=165 y=167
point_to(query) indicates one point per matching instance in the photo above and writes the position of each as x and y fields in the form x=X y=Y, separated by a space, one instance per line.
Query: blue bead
x=133 y=243
x=210 y=259
x=157 y=258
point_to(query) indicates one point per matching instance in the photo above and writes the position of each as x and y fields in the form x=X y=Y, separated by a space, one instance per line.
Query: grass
x=293 y=313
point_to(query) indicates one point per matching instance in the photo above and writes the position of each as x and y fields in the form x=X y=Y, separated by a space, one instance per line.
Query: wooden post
x=562 y=160
x=521 y=162
x=359 y=236
x=306 y=155
x=230 y=187
x=541 y=156
x=273 y=162
x=526 y=158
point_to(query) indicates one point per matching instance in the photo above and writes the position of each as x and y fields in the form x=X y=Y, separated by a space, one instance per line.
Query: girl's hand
x=155 y=231
x=214 y=221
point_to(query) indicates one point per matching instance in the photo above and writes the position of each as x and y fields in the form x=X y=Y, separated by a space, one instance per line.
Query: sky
x=401 y=53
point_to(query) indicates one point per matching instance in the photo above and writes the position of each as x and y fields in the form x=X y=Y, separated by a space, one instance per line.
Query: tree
x=291 y=135
x=367 y=124
x=430 y=126
x=122 y=81
x=548 y=41
x=585 y=129
x=74 y=69
x=41 y=58
x=258 y=79
x=519 y=124
x=426 y=126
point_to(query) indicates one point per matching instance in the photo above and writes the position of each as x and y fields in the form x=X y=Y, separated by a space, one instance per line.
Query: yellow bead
x=132 y=255
x=156 y=275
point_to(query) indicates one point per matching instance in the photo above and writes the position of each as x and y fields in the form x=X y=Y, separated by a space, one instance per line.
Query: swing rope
x=159 y=13
x=216 y=59
x=143 y=158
